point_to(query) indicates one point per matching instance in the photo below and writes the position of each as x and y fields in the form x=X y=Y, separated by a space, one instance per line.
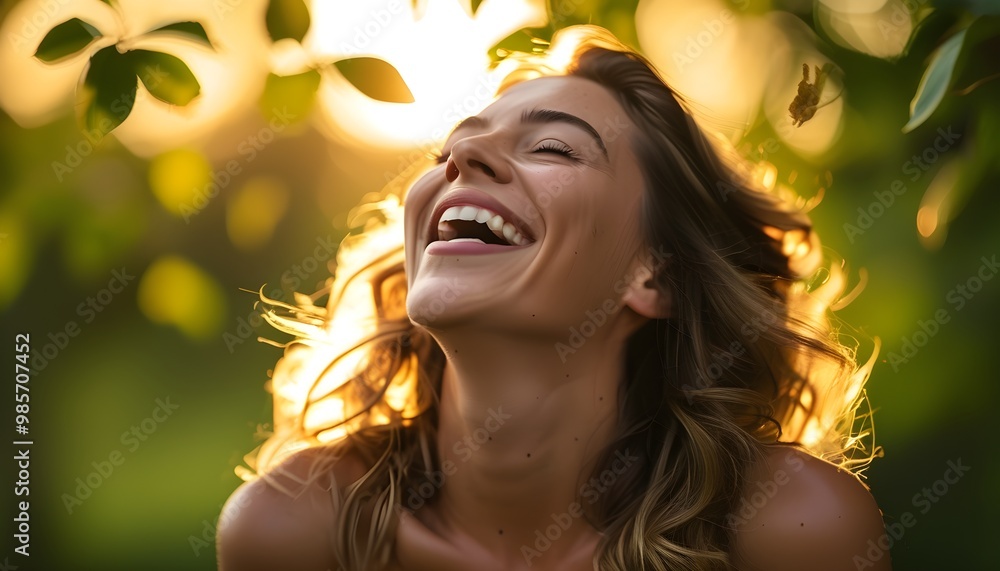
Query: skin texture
x=500 y=333
x=547 y=417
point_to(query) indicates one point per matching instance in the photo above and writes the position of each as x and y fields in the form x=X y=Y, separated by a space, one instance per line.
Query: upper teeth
x=494 y=221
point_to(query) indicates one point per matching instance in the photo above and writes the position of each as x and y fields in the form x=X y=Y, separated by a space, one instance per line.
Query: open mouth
x=476 y=224
x=478 y=220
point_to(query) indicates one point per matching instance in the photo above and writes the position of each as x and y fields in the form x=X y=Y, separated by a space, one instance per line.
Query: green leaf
x=294 y=94
x=66 y=39
x=108 y=92
x=474 y=6
x=166 y=77
x=375 y=78
x=186 y=30
x=287 y=19
x=524 y=40
x=935 y=82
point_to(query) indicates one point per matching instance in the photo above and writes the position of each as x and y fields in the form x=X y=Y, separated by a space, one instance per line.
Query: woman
x=606 y=353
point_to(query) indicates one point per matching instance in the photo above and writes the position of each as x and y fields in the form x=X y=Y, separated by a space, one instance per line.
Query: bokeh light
x=174 y=291
x=248 y=189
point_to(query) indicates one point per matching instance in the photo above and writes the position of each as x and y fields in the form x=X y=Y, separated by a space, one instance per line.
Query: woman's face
x=533 y=219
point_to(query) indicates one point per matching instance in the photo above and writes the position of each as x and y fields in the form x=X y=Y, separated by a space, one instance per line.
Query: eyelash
x=543 y=148
x=552 y=148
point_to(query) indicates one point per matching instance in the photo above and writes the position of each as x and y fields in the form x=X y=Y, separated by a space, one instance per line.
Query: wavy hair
x=749 y=358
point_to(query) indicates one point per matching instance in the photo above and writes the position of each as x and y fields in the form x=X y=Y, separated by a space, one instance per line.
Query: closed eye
x=555 y=147
x=546 y=147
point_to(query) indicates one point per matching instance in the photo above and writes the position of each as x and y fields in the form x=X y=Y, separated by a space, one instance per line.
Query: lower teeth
x=476 y=240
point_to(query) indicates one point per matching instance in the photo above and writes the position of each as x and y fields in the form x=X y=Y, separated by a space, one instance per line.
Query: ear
x=643 y=297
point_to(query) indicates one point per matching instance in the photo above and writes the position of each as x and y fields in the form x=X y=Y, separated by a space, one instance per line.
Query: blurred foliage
x=109 y=87
x=287 y=19
x=375 y=78
x=75 y=209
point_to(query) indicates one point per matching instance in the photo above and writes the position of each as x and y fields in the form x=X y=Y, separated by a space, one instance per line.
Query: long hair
x=748 y=358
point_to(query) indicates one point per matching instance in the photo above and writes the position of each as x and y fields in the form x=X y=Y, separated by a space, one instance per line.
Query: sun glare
x=442 y=53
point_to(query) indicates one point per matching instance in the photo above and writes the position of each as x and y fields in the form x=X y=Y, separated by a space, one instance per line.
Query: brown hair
x=748 y=357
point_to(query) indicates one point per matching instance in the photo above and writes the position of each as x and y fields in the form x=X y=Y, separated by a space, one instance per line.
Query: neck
x=519 y=434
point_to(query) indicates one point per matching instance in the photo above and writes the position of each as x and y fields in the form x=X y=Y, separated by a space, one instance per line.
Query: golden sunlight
x=254 y=210
x=441 y=53
x=937 y=205
x=728 y=64
x=45 y=91
x=174 y=291
x=305 y=381
x=176 y=178
x=879 y=28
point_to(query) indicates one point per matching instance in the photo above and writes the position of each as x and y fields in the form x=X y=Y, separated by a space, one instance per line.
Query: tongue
x=452 y=230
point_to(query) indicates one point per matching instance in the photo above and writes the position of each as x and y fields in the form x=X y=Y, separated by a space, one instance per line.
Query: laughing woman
x=591 y=346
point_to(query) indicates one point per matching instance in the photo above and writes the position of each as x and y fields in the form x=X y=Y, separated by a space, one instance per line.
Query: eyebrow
x=543 y=116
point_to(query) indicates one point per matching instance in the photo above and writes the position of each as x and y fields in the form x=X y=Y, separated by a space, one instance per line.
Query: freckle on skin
x=529 y=454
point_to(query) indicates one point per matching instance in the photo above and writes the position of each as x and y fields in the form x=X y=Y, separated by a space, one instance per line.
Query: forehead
x=575 y=95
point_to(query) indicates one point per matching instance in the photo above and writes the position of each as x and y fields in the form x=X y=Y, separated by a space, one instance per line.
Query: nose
x=477 y=156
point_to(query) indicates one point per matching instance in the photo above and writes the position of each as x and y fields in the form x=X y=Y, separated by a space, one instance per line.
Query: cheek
x=554 y=187
x=592 y=236
x=417 y=205
x=590 y=212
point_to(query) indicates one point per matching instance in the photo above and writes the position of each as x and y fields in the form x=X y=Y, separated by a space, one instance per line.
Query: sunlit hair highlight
x=750 y=357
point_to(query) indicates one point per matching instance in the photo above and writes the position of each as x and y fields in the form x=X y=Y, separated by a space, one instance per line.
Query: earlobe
x=643 y=297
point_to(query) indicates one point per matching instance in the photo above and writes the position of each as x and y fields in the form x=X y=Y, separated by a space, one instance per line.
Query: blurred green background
x=127 y=271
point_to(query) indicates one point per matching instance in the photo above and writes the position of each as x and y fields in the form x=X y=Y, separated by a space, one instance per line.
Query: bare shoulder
x=800 y=512
x=284 y=519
